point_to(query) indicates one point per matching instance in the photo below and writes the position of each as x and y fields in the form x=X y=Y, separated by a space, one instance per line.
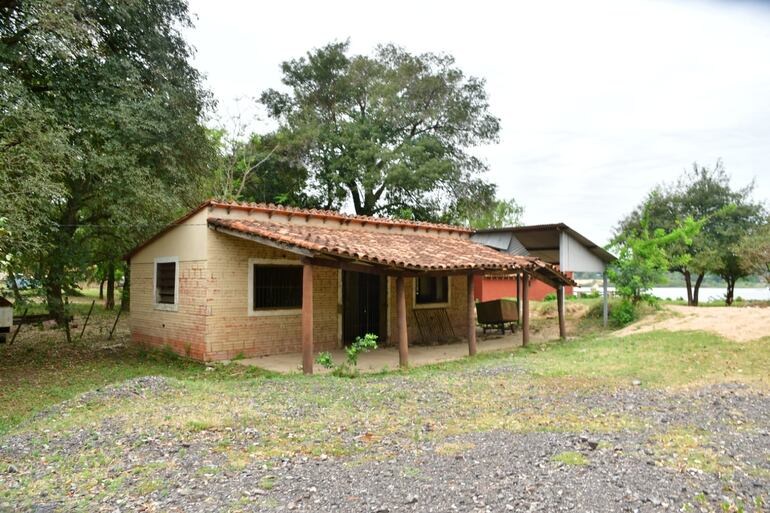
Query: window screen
x=432 y=289
x=277 y=286
x=165 y=282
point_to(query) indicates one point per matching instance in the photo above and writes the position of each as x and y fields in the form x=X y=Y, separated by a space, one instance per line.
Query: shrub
x=349 y=367
x=551 y=296
x=623 y=313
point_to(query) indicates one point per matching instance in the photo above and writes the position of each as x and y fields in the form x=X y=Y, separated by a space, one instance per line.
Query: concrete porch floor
x=386 y=358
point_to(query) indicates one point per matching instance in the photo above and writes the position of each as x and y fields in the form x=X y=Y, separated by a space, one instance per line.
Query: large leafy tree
x=704 y=194
x=390 y=132
x=115 y=109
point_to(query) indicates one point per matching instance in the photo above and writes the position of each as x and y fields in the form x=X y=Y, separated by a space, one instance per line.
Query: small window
x=165 y=283
x=277 y=287
x=432 y=289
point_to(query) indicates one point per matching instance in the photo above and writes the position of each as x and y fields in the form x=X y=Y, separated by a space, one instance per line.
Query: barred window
x=432 y=289
x=277 y=287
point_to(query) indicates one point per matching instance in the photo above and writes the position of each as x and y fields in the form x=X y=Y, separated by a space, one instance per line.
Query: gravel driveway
x=702 y=449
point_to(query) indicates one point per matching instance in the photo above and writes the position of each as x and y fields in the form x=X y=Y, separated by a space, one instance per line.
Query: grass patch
x=571 y=458
x=657 y=359
x=684 y=448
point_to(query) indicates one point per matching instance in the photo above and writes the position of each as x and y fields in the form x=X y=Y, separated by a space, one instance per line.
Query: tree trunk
x=688 y=284
x=101 y=288
x=53 y=294
x=696 y=290
x=730 y=290
x=15 y=287
x=109 y=304
x=125 y=294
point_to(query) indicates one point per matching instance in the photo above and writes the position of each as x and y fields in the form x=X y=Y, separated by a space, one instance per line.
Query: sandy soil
x=735 y=323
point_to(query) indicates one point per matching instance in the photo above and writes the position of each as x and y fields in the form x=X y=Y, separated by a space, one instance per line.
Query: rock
x=12 y=469
x=636 y=382
x=291 y=506
x=411 y=499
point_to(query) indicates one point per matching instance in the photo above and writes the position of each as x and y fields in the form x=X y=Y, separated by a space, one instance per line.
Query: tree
x=753 y=252
x=499 y=214
x=700 y=193
x=259 y=168
x=390 y=132
x=644 y=255
x=109 y=88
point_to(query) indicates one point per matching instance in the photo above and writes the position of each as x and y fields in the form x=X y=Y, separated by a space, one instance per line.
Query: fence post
x=115 y=324
x=87 y=317
x=18 y=328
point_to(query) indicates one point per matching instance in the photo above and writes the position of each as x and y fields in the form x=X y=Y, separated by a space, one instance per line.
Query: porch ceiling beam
x=264 y=241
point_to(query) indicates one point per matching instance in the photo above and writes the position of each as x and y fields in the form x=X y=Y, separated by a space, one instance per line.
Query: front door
x=364 y=307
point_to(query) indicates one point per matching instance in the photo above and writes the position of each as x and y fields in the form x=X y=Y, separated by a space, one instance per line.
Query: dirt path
x=735 y=323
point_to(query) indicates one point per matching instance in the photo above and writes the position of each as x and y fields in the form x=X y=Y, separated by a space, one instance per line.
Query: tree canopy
x=703 y=194
x=100 y=133
x=390 y=133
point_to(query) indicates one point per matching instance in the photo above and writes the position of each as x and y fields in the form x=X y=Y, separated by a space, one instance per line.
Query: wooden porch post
x=403 y=337
x=524 y=309
x=605 y=299
x=307 y=319
x=471 y=317
x=560 y=307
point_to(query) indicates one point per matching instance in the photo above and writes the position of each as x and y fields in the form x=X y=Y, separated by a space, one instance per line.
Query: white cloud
x=599 y=101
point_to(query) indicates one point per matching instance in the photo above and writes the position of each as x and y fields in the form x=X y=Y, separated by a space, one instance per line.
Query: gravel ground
x=703 y=449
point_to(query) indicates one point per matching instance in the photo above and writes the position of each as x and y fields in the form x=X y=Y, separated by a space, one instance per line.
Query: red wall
x=487 y=289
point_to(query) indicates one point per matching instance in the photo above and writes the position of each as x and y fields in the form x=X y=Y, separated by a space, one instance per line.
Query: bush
x=348 y=368
x=623 y=313
x=551 y=296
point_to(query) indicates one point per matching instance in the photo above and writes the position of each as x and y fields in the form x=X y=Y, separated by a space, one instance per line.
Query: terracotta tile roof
x=402 y=249
x=281 y=210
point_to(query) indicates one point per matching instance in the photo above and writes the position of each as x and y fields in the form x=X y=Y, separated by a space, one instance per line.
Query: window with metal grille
x=277 y=287
x=432 y=289
x=165 y=283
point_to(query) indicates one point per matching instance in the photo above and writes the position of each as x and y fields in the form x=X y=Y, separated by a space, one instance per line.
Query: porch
x=387 y=358
x=400 y=256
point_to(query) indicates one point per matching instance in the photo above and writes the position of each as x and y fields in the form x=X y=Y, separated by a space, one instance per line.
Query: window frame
x=444 y=304
x=269 y=262
x=168 y=307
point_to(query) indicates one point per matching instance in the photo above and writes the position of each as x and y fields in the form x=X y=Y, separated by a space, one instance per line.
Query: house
x=556 y=244
x=231 y=279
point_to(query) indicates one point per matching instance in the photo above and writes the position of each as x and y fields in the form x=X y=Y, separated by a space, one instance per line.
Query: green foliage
x=100 y=136
x=551 y=296
x=623 y=313
x=389 y=132
x=361 y=345
x=727 y=214
x=325 y=360
x=644 y=256
x=753 y=251
x=497 y=213
x=349 y=367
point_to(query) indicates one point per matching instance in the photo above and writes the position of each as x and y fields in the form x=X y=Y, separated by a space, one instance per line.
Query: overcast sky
x=598 y=101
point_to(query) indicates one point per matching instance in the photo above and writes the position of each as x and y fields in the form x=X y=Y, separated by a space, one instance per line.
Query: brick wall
x=182 y=330
x=231 y=331
x=456 y=310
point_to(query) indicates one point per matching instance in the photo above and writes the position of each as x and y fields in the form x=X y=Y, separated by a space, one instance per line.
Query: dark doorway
x=364 y=306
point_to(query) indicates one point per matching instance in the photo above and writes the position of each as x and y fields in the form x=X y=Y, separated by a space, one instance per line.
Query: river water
x=705 y=294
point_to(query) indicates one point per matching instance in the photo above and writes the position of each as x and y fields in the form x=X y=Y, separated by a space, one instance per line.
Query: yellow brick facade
x=212 y=319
